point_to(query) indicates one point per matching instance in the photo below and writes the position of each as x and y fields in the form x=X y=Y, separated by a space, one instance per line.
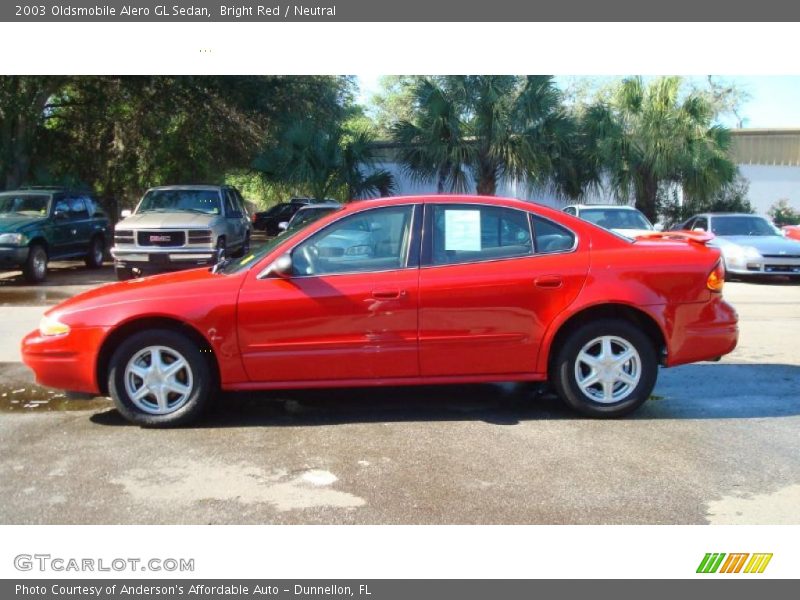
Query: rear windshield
x=615 y=218
x=198 y=201
x=33 y=205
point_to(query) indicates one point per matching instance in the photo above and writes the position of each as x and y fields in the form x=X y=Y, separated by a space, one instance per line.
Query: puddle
x=781 y=507
x=32 y=296
x=18 y=393
x=203 y=480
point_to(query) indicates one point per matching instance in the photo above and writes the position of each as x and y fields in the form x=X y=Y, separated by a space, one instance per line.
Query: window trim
x=426 y=259
x=412 y=248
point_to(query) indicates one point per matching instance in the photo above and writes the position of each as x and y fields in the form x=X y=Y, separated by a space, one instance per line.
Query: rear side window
x=570 y=210
x=551 y=237
x=465 y=233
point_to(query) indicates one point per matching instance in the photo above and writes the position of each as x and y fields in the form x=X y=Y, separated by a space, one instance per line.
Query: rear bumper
x=66 y=362
x=702 y=331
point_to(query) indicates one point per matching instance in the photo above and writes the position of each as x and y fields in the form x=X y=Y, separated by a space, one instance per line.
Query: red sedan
x=416 y=290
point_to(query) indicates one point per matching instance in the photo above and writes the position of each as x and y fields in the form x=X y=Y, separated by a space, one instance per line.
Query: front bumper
x=66 y=362
x=764 y=265
x=167 y=259
x=13 y=257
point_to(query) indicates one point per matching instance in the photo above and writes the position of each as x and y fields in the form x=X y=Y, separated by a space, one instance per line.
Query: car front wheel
x=159 y=378
x=606 y=369
x=35 y=268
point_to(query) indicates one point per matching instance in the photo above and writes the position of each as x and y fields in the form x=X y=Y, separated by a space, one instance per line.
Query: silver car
x=180 y=227
x=750 y=244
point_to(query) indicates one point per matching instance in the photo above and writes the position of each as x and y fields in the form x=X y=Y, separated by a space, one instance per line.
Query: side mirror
x=658 y=227
x=281 y=266
x=125 y=213
x=283 y=225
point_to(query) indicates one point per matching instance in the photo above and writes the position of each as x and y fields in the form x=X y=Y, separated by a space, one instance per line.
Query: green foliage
x=650 y=136
x=782 y=213
x=489 y=127
x=121 y=135
x=324 y=162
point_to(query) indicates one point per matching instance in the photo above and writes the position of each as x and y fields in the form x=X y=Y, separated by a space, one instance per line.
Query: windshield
x=616 y=218
x=199 y=201
x=24 y=204
x=308 y=215
x=741 y=225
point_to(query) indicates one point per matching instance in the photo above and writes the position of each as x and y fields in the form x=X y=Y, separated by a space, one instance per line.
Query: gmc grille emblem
x=160 y=238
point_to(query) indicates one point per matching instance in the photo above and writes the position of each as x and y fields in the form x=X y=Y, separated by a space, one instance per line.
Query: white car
x=621 y=219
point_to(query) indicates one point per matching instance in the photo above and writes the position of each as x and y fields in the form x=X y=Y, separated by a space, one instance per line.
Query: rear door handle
x=548 y=281
x=388 y=294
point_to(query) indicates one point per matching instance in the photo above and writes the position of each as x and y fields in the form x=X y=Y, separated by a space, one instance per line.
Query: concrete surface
x=717 y=443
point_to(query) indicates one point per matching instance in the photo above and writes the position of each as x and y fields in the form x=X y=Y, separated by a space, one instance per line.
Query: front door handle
x=388 y=294
x=548 y=281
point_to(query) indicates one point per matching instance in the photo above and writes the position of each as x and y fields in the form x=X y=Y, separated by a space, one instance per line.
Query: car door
x=234 y=230
x=491 y=281
x=62 y=229
x=81 y=222
x=349 y=309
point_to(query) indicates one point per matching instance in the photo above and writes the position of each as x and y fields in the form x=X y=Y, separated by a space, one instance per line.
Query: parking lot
x=717 y=443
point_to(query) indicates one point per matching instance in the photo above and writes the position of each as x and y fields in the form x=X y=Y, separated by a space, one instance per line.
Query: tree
x=325 y=162
x=731 y=197
x=649 y=137
x=782 y=213
x=489 y=127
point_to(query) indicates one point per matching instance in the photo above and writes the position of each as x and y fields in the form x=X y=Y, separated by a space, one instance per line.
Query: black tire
x=221 y=251
x=123 y=273
x=35 y=268
x=619 y=333
x=187 y=407
x=94 y=257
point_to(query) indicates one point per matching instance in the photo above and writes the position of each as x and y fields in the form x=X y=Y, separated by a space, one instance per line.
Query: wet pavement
x=717 y=443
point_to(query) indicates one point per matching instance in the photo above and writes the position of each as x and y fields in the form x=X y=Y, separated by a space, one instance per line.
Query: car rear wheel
x=94 y=258
x=35 y=268
x=606 y=369
x=159 y=378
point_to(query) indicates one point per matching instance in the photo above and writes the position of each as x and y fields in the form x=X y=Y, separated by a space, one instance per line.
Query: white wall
x=768 y=184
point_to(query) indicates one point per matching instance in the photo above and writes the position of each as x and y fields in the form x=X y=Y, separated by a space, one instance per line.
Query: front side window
x=371 y=240
x=77 y=209
x=465 y=233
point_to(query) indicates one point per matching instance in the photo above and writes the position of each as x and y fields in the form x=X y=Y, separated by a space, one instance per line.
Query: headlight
x=49 y=326
x=751 y=253
x=12 y=238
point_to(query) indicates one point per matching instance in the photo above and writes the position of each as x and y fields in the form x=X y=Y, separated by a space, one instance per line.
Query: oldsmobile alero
x=414 y=290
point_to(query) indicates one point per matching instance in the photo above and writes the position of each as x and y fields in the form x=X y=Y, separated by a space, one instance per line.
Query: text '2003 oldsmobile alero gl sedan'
x=416 y=290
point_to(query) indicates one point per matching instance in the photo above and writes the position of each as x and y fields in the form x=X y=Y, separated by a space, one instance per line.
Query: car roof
x=320 y=205
x=44 y=190
x=725 y=214
x=604 y=206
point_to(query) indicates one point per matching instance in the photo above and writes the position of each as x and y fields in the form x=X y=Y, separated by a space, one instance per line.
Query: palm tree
x=490 y=127
x=648 y=137
x=326 y=162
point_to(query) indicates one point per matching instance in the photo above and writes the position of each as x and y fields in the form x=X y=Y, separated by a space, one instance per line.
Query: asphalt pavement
x=717 y=443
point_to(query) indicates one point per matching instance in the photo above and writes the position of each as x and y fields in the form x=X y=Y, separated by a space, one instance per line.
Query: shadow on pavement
x=702 y=391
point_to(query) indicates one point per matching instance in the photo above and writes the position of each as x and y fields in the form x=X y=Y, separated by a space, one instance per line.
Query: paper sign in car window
x=462 y=230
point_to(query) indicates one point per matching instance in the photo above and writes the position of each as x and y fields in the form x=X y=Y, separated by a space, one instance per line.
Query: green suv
x=42 y=224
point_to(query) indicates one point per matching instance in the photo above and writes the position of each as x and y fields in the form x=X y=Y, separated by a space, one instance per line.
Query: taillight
x=716 y=278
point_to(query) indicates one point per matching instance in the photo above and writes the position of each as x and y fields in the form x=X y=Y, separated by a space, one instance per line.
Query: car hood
x=166 y=220
x=14 y=223
x=159 y=290
x=765 y=244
